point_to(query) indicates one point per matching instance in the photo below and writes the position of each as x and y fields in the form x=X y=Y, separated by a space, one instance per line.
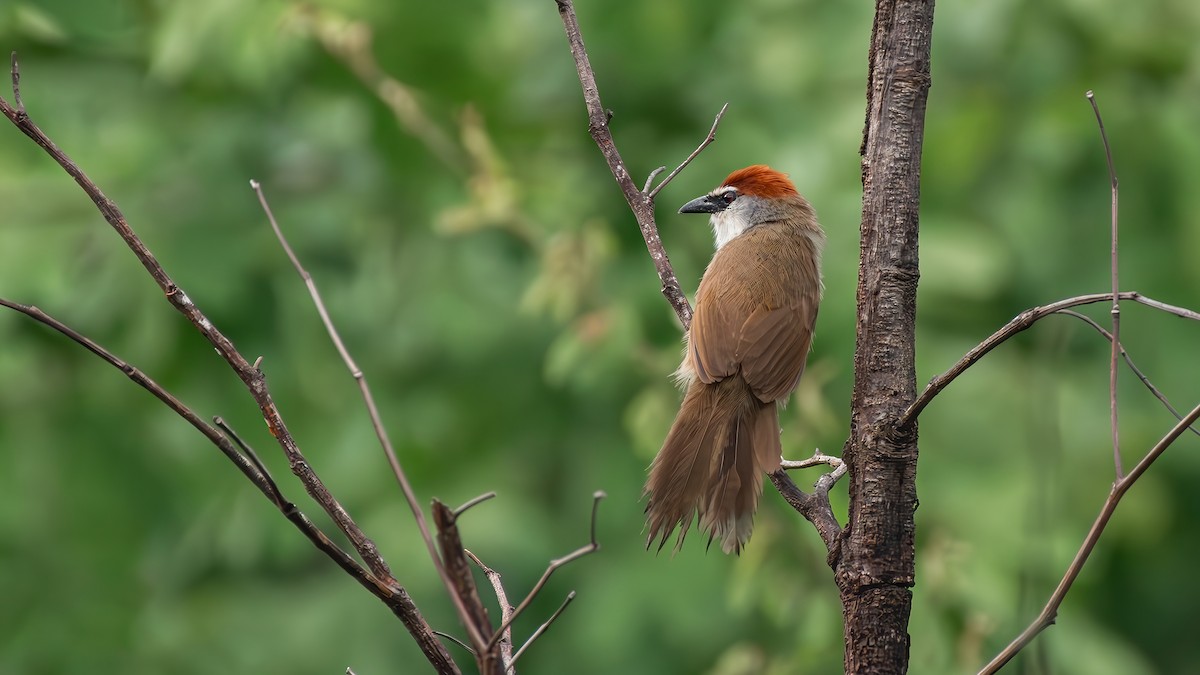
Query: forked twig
x=275 y=495
x=396 y=600
x=15 y=71
x=390 y=591
x=372 y=410
x=641 y=202
x=506 y=608
x=712 y=136
x=1119 y=488
x=1132 y=366
x=571 y=557
x=1116 y=305
x=542 y=629
x=473 y=502
x=815 y=507
x=1019 y=323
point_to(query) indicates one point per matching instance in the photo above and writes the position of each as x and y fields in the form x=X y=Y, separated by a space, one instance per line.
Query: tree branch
x=1019 y=323
x=571 y=557
x=251 y=376
x=1119 y=488
x=712 y=136
x=392 y=595
x=506 y=608
x=465 y=611
x=1129 y=362
x=874 y=568
x=641 y=203
x=474 y=614
x=1116 y=305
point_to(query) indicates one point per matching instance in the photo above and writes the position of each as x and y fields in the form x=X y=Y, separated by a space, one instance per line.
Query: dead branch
x=467 y=612
x=395 y=597
x=1119 y=488
x=1019 y=323
x=1116 y=300
x=506 y=609
x=641 y=202
x=590 y=547
x=1129 y=362
x=479 y=626
x=251 y=376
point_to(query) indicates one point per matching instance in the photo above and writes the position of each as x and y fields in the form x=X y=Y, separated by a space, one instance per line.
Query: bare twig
x=461 y=586
x=275 y=495
x=16 y=83
x=396 y=599
x=712 y=136
x=651 y=177
x=255 y=383
x=815 y=507
x=1119 y=488
x=571 y=557
x=817 y=459
x=639 y=202
x=1116 y=305
x=455 y=640
x=368 y=399
x=541 y=629
x=1021 y=322
x=1129 y=362
x=473 y=502
x=506 y=609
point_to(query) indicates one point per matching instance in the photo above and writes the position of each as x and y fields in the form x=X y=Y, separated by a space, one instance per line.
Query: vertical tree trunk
x=874 y=570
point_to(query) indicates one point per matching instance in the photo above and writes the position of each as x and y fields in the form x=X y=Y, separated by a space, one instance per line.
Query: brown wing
x=774 y=347
x=711 y=348
x=755 y=310
x=770 y=347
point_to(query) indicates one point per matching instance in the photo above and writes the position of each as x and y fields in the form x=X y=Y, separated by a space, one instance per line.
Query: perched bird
x=746 y=349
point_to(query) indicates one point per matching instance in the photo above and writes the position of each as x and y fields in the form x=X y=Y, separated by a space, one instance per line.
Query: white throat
x=728 y=224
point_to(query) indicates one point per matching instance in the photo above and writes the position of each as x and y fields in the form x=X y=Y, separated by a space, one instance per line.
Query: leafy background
x=487 y=275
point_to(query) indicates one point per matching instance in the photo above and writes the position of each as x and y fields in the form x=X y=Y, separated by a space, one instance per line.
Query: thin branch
x=571 y=557
x=541 y=629
x=506 y=609
x=369 y=400
x=1116 y=305
x=455 y=640
x=473 y=502
x=815 y=507
x=712 y=136
x=1119 y=488
x=16 y=83
x=639 y=202
x=816 y=460
x=651 y=177
x=275 y=495
x=255 y=383
x=1019 y=323
x=462 y=589
x=1132 y=366
x=396 y=599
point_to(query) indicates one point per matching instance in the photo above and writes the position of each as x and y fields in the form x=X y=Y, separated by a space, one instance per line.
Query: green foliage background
x=486 y=274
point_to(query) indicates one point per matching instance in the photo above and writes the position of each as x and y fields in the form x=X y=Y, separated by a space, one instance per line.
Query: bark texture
x=874 y=566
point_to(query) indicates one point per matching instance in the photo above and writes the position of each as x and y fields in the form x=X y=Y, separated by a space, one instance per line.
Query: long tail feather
x=711 y=466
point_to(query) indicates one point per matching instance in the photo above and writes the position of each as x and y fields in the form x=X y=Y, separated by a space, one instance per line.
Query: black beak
x=705 y=204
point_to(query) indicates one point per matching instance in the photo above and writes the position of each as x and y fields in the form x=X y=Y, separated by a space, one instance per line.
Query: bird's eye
x=727 y=197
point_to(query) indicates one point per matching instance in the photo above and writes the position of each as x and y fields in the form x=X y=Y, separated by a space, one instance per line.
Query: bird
x=746 y=348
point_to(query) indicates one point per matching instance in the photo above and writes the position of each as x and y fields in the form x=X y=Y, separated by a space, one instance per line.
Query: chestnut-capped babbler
x=746 y=349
